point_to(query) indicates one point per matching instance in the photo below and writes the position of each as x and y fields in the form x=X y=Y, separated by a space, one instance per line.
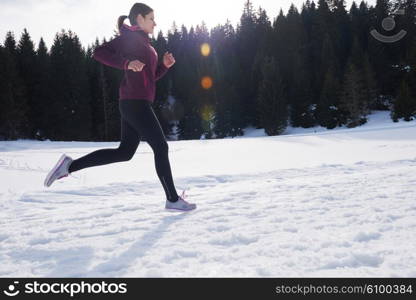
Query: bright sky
x=97 y=18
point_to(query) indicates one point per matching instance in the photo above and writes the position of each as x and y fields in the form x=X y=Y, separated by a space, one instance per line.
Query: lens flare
x=205 y=49
x=207 y=113
x=206 y=82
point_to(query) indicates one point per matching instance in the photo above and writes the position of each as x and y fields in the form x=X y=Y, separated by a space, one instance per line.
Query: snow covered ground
x=312 y=202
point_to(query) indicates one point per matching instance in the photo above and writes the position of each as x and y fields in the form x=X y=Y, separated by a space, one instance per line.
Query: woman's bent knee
x=126 y=155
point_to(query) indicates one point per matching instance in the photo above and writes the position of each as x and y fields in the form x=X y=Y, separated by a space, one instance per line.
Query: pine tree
x=359 y=58
x=309 y=20
x=186 y=79
x=98 y=132
x=246 y=48
x=357 y=53
x=222 y=123
x=353 y=100
x=411 y=60
x=279 y=45
x=162 y=88
x=322 y=48
x=105 y=98
x=301 y=113
x=263 y=31
x=327 y=112
x=104 y=95
x=381 y=54
x=204 y=98
x=405 y=103
x=371 y=89
x=299 y=69
x=13 y=122
x=26 y=64
x=406 y=22
x=272 y=103
x=342 y=35
x=360 y=23
x=41 y=94
x=228 y=119
x=315 y=50
x=71 y=95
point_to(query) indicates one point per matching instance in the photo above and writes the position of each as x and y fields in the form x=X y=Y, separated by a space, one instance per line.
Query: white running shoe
x=59 y=170
x=181 y=204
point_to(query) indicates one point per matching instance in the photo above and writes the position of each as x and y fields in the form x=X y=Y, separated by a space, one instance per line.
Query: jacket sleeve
x=109 y=54
x=161 y=70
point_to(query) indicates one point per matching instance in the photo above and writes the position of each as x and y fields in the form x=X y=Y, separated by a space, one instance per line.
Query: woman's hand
x=136 y=66
x=168 y=60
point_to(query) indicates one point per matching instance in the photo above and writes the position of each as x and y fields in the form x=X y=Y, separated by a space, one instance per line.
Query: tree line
x=319 y=65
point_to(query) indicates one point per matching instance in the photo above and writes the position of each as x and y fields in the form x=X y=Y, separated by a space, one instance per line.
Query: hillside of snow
x=309 y=203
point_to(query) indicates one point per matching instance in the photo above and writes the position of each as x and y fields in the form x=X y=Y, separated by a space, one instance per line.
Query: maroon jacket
x=133 y=44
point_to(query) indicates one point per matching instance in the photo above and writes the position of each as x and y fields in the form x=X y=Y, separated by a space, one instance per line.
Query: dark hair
x=136 y=9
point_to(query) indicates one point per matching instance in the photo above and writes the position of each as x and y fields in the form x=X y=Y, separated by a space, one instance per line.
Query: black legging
x=137 y=119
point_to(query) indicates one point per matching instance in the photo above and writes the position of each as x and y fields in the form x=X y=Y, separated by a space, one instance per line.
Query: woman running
x=132 y=52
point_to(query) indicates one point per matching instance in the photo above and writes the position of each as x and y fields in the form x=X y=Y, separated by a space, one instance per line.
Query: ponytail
x=120 y=22
x=137 y=8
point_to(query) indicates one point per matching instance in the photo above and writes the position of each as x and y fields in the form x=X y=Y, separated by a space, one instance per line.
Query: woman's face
x=147 y=24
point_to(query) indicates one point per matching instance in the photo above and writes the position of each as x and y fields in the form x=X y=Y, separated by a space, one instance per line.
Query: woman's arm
x=161 y=70
x=109 y=54
x=167 y=62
